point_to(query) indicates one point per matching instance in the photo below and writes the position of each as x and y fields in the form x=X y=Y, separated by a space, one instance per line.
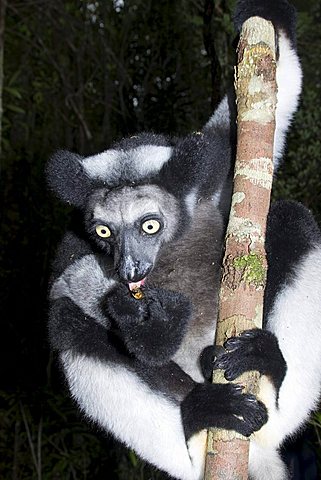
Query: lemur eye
x=103 y=231
x=151 y=226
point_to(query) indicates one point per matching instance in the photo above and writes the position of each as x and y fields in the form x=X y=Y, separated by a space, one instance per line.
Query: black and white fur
x=140 y=368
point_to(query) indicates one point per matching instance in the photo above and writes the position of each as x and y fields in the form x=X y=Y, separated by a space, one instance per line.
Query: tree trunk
x=3 y=4
x=244 y=264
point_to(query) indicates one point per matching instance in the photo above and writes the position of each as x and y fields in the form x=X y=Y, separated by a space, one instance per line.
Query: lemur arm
x=153 y=327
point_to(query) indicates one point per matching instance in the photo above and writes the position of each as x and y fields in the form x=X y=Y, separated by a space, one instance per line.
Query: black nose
x=133 y=271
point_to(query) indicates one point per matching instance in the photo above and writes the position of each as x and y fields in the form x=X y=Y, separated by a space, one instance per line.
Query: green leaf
x=15 y=109
x=13 y=91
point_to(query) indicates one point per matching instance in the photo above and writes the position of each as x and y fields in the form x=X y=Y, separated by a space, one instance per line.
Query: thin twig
x=32 y=449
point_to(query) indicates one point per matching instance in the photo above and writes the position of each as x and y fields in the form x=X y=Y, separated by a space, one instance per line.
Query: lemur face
x=132 y=223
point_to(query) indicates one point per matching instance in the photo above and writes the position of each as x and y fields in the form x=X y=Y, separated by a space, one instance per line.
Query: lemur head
x=132 y=223
x=135 y=197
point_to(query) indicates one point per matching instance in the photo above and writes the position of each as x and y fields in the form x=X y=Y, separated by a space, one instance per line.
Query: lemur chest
x=191 y=265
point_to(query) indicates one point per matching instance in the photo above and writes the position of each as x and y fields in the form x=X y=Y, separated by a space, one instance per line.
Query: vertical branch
x=244 y=263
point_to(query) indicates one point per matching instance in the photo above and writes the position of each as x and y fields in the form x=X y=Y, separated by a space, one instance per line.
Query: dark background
x=78 y=75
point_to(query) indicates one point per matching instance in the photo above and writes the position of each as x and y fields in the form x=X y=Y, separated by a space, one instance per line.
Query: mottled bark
x=244 y=263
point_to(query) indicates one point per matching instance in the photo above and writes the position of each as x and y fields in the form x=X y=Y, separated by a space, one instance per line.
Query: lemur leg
x=289 y=85
x=288 y=71
x=296 y=321
x=293 y=315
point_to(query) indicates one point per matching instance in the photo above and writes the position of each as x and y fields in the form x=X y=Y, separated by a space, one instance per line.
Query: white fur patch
x=85 y=284
x=296 y=321
x=289 y=83
x=216 y=198
x=196 y=344
x=147 y=422
x=197 y=450
x=266 y=464
x=135 y=163
x=191 y=200
x=221 y=116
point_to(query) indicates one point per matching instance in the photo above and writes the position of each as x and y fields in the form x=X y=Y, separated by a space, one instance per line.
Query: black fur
x=218 y=405
x=280 y=12
x=208 y=357
x=195 y=160
x=291 y=234
x=67 y=179
x=153 y=327
x=253 y=350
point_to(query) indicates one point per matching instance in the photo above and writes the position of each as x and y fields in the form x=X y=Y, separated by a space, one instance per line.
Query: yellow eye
x=103 y=231
x=151 y=226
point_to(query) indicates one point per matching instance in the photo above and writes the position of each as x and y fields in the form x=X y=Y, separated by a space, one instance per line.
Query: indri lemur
x=152 y=224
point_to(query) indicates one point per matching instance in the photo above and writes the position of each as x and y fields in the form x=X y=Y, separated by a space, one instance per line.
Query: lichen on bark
x=244 y=265
x=252 y=268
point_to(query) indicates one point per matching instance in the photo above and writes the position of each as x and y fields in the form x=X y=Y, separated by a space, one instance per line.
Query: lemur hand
x=152 y=327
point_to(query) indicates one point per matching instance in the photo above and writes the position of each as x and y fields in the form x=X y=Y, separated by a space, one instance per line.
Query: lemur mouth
x=135 y=285
x=135 y=289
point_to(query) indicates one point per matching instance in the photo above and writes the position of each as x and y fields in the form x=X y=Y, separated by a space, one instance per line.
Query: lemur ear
x=67 y=179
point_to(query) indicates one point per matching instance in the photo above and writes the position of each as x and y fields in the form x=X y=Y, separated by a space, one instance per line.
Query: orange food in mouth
x=135 y=289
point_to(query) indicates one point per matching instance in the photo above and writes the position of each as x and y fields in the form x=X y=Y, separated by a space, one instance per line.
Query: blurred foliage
x=316 y=423
x=44 y=437
x=79 y=75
